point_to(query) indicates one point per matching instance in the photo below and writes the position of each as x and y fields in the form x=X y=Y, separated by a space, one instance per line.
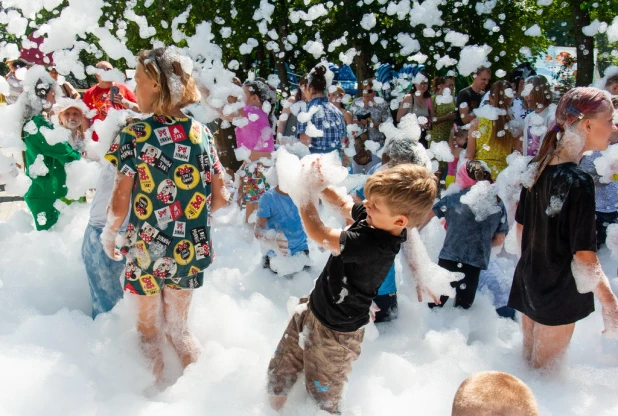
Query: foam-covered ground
x=54 y=360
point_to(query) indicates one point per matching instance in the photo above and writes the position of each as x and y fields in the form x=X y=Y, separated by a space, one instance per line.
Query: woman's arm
x=403 y=109
x=471 y=149
x=220 y=195
x=589 y=276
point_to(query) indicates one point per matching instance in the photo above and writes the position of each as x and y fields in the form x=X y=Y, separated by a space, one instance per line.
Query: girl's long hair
x=497 y=99
x=574 y=106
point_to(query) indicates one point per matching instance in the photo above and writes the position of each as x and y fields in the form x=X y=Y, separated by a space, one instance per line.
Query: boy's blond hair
x=407 y=189
x=493 y=393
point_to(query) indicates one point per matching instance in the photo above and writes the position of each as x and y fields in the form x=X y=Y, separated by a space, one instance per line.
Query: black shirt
x=344 y=291
x=559 y=219
x=469 y=96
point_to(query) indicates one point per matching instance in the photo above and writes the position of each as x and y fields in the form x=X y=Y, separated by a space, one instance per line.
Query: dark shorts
x=465 y=289
x=388 y=307
x=138 y=283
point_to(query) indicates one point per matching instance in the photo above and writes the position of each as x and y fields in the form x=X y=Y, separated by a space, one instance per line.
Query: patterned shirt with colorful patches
x=172 y=161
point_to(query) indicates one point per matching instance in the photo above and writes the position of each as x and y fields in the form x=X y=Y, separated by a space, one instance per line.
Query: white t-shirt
x=105 y=187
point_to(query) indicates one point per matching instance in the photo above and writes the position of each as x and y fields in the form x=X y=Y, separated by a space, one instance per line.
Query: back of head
x=575 y=105
x=263 y=90
x=400 y=150
x=316 y=79
x=493 y=393
x=541 y=94
x=478 y=170
x=172 y=71
x=498 y=95
x=406 y=189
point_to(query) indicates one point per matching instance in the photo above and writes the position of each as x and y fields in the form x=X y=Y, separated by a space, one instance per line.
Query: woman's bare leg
x=149 y=328
x=176 y=304
x=527 y=327
x=550 y=344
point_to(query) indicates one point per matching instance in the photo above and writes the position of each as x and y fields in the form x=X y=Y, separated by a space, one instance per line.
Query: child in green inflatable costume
x=46 y=187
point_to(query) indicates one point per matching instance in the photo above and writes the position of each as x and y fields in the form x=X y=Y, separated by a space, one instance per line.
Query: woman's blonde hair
x=172 y=72
x=407 y=189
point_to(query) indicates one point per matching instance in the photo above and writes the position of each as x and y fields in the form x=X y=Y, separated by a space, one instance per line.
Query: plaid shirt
x=329 y=120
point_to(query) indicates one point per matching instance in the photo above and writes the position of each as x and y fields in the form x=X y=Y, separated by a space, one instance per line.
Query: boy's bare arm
x=345 y=205
x=316 y=230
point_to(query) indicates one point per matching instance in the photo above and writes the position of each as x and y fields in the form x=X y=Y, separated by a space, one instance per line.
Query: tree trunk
x=283 y=23
x=585 y=54
x=363 y=67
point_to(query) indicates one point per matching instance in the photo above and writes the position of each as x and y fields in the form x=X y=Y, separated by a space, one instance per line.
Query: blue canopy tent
x=345 y=77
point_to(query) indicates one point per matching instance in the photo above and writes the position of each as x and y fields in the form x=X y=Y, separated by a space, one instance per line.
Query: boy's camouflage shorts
x=325 y=355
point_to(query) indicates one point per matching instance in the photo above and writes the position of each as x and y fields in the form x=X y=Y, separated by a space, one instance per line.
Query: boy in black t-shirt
x=323 y=337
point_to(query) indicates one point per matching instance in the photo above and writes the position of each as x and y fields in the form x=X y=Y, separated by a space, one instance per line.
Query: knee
x=149 y=334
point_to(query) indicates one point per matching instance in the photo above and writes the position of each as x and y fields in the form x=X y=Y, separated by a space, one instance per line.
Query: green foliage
x=343 y=20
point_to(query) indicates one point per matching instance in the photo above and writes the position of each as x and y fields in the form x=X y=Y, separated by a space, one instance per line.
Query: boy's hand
x=282 y=243
x=373 y=309
x=422 y=290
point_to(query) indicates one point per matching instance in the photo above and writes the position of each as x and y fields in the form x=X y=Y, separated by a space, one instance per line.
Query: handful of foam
x=304 y=179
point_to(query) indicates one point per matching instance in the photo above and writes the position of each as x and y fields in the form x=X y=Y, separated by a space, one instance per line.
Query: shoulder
x=574 y=177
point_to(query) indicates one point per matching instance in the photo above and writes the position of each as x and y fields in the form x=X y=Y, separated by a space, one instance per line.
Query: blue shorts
x=103 y=272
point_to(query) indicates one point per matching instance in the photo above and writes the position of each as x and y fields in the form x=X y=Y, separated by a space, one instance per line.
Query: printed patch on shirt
x=195 y=135
x=164 y=120
x=195 y=206
x=148 y=232
x=131 y=271
x=193 y=270
x=166 y=192
x=164 y=217
x=182 y=152
x=141 y=131
x=145 y=178
x=164 y=164
x=193 y=283
x=141 y=255
x=112 y=159
x=127 y=151
x=142 y=206
x=160 y=244
x=180 y=229
x=127 y=171
x=186 y=176
x=149 y=154
x=149 y=285
x=203 y=164
x=178 y=133
x=164 y=268
x=184 y=252
x=130 y=289
x=163 y=135
x=200 y=241
x=168 y=214
x=131 y=235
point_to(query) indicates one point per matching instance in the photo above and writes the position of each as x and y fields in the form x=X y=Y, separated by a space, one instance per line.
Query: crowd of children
x=554 y=283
